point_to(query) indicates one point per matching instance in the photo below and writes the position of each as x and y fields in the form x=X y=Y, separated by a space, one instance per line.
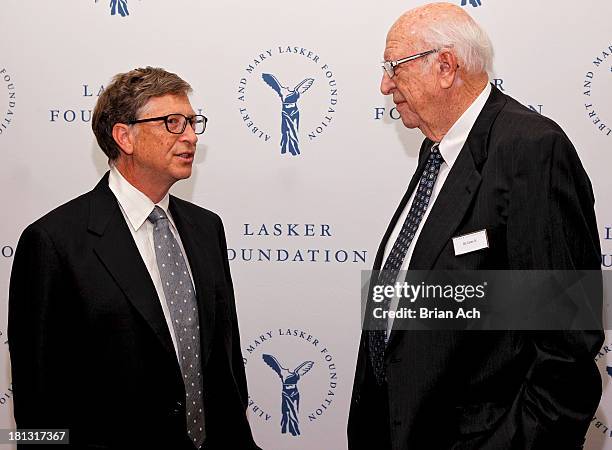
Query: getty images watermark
x=384 y=295
x=486 y=300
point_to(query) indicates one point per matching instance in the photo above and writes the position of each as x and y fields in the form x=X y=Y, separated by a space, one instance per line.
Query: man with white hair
x=512 y=179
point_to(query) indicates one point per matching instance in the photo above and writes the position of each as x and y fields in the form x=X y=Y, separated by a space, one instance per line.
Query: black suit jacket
x=90 y=348
x=519 y=177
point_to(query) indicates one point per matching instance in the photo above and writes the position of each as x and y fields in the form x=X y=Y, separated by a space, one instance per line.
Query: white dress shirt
x=136 y=207
x=450 y=147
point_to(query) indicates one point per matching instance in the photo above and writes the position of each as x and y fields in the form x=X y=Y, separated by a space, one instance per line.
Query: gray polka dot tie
x=377 y=339
x=181 y=301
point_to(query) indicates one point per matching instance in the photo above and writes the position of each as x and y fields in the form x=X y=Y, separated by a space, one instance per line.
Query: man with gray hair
x=509 y=179
x=122 y=321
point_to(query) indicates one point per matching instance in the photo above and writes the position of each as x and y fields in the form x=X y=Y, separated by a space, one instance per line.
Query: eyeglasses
x=176 y=123
x=390 y=66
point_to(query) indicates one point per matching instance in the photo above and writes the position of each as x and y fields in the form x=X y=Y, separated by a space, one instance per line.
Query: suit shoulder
x=197 y=212
x=63 y=227
x=68 y=216
x=520 y=124
x=521 y=133
x=529 y=139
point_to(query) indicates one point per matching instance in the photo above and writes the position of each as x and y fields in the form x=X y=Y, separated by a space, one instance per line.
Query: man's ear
x=123 y=137
x=448 y=67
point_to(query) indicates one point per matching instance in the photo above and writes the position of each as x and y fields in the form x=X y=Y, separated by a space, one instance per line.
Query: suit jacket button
x=177 y=408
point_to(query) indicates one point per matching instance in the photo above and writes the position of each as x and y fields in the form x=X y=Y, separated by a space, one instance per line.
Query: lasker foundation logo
x=597 y=92
x=382 y=112
x=8 y=112
x=88 y=95
x=606 y=235
x=6 y=251
x=7 y=394
x=292 y=243
x=297 y=380
x=600 y=425
x=81 y=112
x=287 y=98
x=118 y=7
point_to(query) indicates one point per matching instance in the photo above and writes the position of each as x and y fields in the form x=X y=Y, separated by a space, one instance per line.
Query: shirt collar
x=136 y=205
x=452 y=143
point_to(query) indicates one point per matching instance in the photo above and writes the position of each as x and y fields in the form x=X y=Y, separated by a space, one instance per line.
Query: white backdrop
x=296 y=283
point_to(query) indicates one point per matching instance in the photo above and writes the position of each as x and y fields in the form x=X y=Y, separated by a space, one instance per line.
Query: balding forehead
x=402 y=37
x=405 y=33
x=421 y=17
x=402 y=33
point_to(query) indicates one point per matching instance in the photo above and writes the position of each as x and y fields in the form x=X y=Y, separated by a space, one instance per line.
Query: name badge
x=471 y=242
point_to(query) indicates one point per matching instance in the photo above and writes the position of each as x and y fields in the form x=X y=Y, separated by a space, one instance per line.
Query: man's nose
x=189 y=135
x=386 y=84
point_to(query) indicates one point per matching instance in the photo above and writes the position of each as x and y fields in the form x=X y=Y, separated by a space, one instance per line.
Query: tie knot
x=157 y=214
x=434 y=154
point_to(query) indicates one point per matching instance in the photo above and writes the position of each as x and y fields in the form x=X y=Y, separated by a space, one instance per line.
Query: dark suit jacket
x=519 y=177
x=90 y=348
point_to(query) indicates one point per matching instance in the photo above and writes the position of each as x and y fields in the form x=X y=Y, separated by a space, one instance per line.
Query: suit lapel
x=200 y=265
x=118 y=253
x=455 y=198
x=449 y=208
x=459 y=189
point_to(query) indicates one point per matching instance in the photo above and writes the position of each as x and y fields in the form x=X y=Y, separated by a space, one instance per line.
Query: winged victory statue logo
x=290 y=114
x=290 y=398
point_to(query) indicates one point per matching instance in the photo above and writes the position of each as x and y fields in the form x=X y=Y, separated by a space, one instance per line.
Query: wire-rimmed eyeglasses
x=389 y=66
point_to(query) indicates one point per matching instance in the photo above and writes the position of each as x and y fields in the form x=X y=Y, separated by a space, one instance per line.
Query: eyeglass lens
x=177 y=123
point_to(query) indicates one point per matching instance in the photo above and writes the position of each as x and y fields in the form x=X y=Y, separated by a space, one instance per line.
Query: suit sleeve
x=35 y=333
x=236 y=356
x=551 y=225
